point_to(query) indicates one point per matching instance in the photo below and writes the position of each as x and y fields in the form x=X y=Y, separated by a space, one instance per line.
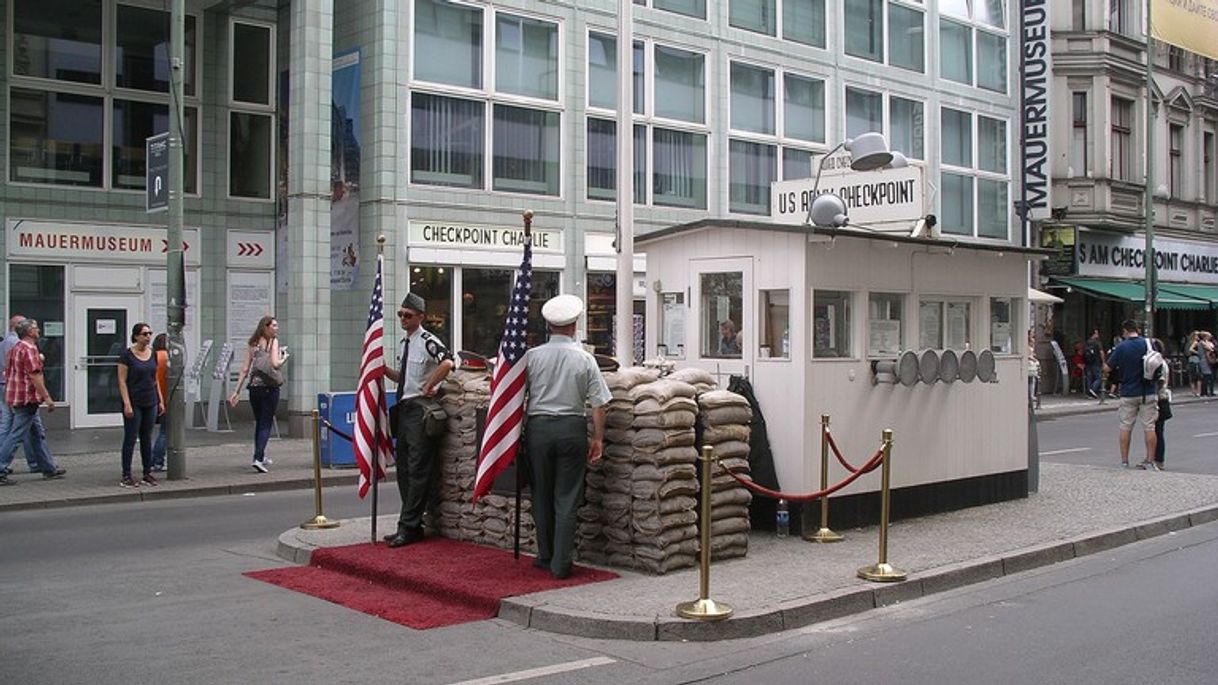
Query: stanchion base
x=824 y=535
x=704 y=610
x=318 y=522
x=882 y=573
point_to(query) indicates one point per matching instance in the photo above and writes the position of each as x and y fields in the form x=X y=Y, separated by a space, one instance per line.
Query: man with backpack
x=1140 y=369
x=1093 y=365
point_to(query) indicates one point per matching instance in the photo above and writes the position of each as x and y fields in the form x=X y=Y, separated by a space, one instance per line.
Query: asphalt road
x=1192 y=439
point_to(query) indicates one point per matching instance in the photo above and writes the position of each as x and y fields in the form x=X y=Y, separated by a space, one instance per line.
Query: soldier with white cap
x=425 y=362
x=562 y=380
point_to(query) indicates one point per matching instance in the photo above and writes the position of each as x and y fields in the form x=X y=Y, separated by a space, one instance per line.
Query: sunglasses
x=145 y=333
x=407 y=315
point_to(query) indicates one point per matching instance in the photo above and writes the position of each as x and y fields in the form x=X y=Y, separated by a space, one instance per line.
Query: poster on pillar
x=249 y=299
x=344 y=171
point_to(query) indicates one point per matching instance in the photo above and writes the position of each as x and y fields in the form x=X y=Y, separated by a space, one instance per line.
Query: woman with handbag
x=142 y=402
x=263 y=361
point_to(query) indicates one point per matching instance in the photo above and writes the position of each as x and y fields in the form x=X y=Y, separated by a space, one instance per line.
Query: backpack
x=1091 y=354
x=1152 y=363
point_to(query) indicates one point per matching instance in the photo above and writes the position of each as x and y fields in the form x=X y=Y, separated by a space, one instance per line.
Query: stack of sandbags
x=701 y=379
x=724 y=419
x=663 y=479
x=609 y=484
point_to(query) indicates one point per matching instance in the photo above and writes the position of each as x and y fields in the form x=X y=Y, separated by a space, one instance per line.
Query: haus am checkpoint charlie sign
x=882 y=197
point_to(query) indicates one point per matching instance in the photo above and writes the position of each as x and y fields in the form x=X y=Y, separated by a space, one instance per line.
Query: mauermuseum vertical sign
x=1035 y=78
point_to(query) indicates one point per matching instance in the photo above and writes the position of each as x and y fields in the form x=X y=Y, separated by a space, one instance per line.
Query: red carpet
x=433 y=583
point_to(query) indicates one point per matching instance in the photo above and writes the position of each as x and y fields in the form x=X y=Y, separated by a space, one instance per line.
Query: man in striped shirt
x=25 y=389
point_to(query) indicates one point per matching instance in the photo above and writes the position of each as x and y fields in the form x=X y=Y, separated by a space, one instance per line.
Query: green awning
x=1135 y=291
x=1200 y=292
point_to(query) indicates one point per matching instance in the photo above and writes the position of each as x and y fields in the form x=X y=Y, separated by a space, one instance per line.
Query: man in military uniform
x=425 y=362
x=562 y=380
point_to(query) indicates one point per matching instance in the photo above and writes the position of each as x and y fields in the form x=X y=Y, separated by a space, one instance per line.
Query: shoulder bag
x=266 y=371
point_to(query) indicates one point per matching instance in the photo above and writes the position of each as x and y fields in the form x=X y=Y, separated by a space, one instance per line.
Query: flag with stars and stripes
x=372 y=444
x=505 y=417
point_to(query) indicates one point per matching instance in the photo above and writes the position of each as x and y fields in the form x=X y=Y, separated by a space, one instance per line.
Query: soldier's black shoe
x=405 y=538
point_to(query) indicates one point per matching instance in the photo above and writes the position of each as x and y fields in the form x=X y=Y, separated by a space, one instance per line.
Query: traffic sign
x=156 y=149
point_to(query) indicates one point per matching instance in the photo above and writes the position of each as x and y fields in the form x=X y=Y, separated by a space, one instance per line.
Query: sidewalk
x=1054 y=406
x=788 y=583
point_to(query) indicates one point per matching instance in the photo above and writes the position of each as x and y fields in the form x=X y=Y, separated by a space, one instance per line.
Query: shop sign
x=251 y=249
x=1123 y=256
x=885 y=196
x=474 y=237
x=1061 y=239
x=72 y=242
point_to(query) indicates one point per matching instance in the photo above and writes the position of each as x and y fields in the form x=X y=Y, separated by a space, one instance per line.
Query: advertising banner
x=1188 y=24
x=344 y=171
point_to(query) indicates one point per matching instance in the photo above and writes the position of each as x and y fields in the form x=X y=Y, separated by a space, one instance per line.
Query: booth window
x=885 y=316
x=1001 y=340
x=830 y=324
x=672 y=325
x=775 y=324
x=945 y=324
x=722 y=314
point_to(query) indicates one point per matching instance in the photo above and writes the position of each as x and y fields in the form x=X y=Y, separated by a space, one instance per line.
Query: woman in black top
x=142 y=402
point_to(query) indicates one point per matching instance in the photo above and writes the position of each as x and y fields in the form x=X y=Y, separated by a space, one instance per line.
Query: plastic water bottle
x=782 y=519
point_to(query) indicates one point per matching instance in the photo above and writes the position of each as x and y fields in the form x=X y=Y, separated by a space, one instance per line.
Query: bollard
x=704 y=608
x=824 y=534
x=882 y=571
x=320 y=520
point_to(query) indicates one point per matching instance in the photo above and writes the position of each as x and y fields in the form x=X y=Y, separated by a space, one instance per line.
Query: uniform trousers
x=558 y=455
x=416 y=465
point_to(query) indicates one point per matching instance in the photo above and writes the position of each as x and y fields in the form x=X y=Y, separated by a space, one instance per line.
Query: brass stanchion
x=882 y=571
x=704 y=608
x=824 y=534
x=320 y=520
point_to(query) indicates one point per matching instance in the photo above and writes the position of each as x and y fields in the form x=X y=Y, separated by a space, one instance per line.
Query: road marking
x=1072 y=449
x=540 y=672
x=1205 y=435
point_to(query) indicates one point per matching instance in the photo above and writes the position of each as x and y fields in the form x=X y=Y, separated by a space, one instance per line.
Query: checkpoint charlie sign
x=471 y=237
x=1123 y=256
x=887 y=196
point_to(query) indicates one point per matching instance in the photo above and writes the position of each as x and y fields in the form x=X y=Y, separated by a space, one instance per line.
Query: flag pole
x=376 y=415
x=624 y=294
x=527 y=217
x=1149 y=249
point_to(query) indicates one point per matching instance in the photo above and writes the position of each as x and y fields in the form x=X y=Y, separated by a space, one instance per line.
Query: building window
x=679 y=161
x=602 y=304
x=249 y=155
x=602 y=73
x=974 y=187
x=447 y=138
x=956 y=52
x=752 y=99
x=796 y=163
x=775 y=339
x=1208 y=179
x=754 y=15
x=803 y=108
x=1122 y=140
x=251 y=118
x=484 y=297
x=680 y=84
x=865 y=29
x=602 y=160
x=526 y=57
x=1120 y=19
x=37 y=292
x=970 y=31
x=906 y=37
x=1175 y=168
x=1001 y=340
x=752 y=169
x=56 y=138
x=133 y=122
x=1079 y=165
x=991 y=62
x=435 y=285
x=885 y=315
x=1078 y=15
x=447 y=43
x=252 y=63
x=141 y=51
x=1175 y=58
x=672 y=325
x=830 y=324
x=545 y=286
x=722 y=314
x=526 y=151
x=690 y=8
x=803 y=21
x=864 y=112
x=906 y=126
x=58 y=39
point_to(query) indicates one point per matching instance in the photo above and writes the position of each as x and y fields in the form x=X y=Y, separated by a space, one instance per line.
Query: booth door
x=102 y=328
x=724 y=333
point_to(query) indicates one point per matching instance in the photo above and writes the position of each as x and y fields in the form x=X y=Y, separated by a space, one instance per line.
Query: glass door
x=101 y=329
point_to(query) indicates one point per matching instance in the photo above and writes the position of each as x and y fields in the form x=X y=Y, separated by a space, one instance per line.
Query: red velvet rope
x=842 y=460
x=806 y=497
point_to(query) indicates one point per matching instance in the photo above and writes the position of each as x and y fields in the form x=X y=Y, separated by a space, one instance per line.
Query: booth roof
x=847 y=232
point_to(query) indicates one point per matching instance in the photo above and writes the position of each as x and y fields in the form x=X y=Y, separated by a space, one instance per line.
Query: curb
x=162 y=493
x=1094 y=407
x=533 y=611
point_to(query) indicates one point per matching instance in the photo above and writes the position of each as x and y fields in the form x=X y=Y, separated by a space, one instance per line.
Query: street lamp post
x=175 y=309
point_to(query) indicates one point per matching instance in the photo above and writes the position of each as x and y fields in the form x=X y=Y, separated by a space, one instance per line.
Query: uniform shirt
x=7 y=344
x=420 y=354
x=1126 y=358
x=562 y=378
x=22 y=361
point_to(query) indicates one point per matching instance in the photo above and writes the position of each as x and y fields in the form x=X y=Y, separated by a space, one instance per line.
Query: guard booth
x=925 y=336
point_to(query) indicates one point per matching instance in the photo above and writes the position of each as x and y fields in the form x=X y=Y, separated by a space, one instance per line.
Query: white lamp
x=867 y=153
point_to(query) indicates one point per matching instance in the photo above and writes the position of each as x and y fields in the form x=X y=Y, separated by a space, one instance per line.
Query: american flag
x=504 y=419
x=372 y=442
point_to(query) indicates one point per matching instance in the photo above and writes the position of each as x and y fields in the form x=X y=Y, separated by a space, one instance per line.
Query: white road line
x=540 y=672
x=1205 y=435
x=1072 y=449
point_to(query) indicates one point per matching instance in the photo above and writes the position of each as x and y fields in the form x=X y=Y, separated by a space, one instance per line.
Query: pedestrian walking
x=160 y=346
x=1165 y=413
x=1093 y=364
x=1194 y=362
x=424 y=363
x=264 y=358
x=142 y=402
x=1139 y=396
x=25 y=390
x=562 y=379
x=35 y=444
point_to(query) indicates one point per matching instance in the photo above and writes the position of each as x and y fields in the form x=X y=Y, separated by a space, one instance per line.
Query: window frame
x=902 y=300
x=849 y=298
x=885 y=38
x=943 y=301
x=1121 y=128
x=235 y=106
x=886 y=97
x=976 y=171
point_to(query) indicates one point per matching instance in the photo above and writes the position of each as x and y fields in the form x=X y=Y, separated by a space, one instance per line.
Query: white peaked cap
x=562 y=310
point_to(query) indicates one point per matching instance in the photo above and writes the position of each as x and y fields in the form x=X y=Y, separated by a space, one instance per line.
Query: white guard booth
x=924 y=336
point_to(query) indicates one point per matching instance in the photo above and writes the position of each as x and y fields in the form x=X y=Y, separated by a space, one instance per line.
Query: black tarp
x=761 y=458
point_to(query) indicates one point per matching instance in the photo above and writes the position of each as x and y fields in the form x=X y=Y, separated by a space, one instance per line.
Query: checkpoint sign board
x=885 y=196
x=156 y=149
